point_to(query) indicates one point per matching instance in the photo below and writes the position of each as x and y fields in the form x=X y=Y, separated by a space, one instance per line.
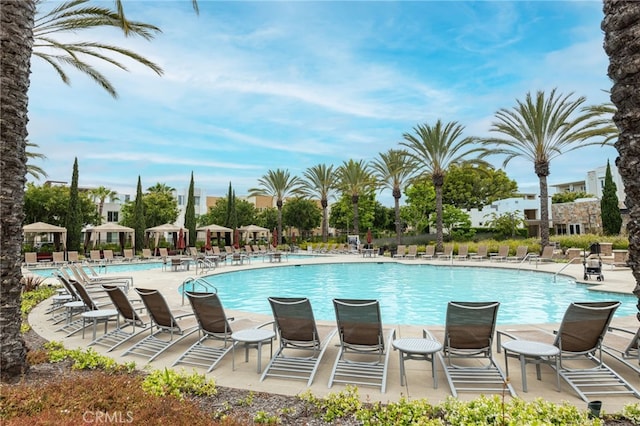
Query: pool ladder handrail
x=204 y=265
x=564 y=267
x=197 y=281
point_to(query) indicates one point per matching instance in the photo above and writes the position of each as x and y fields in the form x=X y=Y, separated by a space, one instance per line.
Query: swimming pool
x=412 y=294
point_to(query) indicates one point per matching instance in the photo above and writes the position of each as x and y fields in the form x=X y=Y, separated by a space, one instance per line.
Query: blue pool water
x=412 y=294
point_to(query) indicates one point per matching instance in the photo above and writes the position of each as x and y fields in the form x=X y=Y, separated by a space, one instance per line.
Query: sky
x=250 y=87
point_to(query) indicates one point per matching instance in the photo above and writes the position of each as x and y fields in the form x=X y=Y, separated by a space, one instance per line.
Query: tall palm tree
x=35 y=171
x=434 y=149
x=17 y=40
x=620 y=27
x=278 y=184
x=354 y=179
x=75 y=16
x=101 y=194
x=393 y=169
x=540 y=129
x=320 y=181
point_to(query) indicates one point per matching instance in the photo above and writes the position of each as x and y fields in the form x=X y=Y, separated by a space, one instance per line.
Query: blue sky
x=254 y=86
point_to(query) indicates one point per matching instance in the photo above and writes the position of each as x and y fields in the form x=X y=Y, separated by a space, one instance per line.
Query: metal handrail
x=197 y=282
x=564 y=267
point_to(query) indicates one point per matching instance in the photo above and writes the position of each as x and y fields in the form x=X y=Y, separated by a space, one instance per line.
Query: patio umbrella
x=369 y=236
x=181 y=242
x=236 y=238
x=207 y=242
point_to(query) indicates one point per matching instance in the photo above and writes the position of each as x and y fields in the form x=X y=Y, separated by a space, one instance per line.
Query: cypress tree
x=609 y=210
x=139 y=219
x=228 y=217
x=73 y=222
x=190 y=214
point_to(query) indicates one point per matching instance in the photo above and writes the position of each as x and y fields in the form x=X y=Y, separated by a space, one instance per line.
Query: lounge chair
x=89 y=304
x=447 y=254
x=429 y=252
x=302 y=341
x=361 y=338
x=501 y=256
x=72 y=257
x=580 y=338
x=463 y=252
x=95 y=256
x=163 y=322
x=164 y=252
x=521 y=254
x=146 y=254
x=466 y=356
x=128 y=255
x=30 y=259
x=108 y=255
x=546 y=256
x=58 y=258
x=401 y=250
x=214 y=326
x=130 y=319
x=123 y=281
x=481 y=254
x=412 y=252
x=623 y=345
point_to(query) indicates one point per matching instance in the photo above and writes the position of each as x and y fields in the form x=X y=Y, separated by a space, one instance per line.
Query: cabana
x=93 y=235
x=214 y=230
x=59 y=233
x=253 y=231
x=157 y=231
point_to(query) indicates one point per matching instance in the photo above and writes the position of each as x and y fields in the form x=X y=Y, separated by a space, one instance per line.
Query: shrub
x=169 y=382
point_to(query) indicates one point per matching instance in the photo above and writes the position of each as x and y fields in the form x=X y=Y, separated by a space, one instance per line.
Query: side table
x=95 y=316
x=423 y=349
x=252 y=337
x=533 y=353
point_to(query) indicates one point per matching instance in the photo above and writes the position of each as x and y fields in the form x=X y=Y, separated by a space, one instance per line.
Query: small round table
x=417 y=349
x=95 y=316
x=533 y=353
x=252 y=337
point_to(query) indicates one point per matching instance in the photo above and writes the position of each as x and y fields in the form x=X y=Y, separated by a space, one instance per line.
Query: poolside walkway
x=419 y=383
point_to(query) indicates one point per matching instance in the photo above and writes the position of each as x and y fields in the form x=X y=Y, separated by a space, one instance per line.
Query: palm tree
x=393 y=170
x=74 y=16
x=35 y=171
x=434 y=149
x=354 y=179
x=620 y=43
x=101 y=194
x=161 y=188
x=278 y=184
x=320 y=182
x=540 y=129
x=607 y=127
x=17 y=39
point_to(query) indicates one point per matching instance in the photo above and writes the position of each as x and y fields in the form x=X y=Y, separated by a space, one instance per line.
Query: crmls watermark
x=98 y=417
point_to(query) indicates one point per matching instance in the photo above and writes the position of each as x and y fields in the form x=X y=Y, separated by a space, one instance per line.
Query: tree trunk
x=621 y=26
x=544 y=211
x=396 y=206
x=279 y=205
x=325 y=220
x=356 y=215
x=16 y=38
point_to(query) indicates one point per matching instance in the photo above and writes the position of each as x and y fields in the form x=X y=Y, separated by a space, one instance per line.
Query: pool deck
x=419 y=383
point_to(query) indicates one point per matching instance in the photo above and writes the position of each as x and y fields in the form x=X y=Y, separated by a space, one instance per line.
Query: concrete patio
x=419 y=383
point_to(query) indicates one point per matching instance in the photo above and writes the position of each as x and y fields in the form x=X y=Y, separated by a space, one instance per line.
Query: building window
x=127 y=198
x=112 y=216
x=196 y=201
x=574 y=229
x=561 y=229
x=180 y=200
